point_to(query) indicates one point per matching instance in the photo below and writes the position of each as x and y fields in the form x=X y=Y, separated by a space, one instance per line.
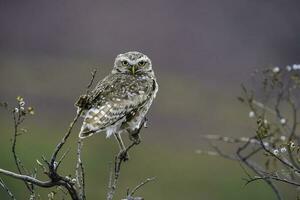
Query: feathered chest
x=120 y=88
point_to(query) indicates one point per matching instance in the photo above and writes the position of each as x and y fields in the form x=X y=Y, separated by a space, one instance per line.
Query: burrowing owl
x=121 y=100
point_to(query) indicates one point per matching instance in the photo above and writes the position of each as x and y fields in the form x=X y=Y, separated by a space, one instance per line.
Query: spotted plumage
x=121 y=100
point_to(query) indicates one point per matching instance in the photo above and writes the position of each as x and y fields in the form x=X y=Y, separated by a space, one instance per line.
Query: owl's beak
x=133 y=69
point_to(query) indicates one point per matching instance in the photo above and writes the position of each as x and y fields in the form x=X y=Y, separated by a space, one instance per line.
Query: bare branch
x=29 y=179
x=119 y=159
x=273 y=178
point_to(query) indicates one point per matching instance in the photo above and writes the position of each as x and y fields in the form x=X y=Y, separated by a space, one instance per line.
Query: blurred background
x=201 y=51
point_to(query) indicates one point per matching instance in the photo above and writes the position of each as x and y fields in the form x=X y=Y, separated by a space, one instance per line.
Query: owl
x=121 y=100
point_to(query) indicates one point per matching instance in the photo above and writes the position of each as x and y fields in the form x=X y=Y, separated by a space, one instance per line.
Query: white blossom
x=244 y=139
x=51 y=195
x=283 y=149
x=296 y=66
x=16 y=110
x=265 y=121
x=292 y=145
x=288 y=68
x=251 y=114
x=266 y=144
x=276 y=69
x=283 y=121
x=22 y=103
x=275 y=152
x=283 y=138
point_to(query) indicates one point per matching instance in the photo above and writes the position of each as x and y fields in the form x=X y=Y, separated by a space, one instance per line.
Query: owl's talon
x=135 y=138
x=137 y=141
x=123 y=155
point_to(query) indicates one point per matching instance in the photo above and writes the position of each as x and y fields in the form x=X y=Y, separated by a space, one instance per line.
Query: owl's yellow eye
x=125 y=63
x=141 y=63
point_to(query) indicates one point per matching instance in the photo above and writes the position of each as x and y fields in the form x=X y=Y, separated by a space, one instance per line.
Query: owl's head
x=132 y=62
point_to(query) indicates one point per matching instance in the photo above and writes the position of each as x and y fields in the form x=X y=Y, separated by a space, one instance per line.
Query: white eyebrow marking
x=144 y=58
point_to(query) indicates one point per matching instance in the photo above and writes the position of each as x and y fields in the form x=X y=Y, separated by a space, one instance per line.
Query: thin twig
x=63 y=140
x=140 y=185
x=93 y=74
x=273 y=178
x=63 y=157
x=17 y=121
x=2 y=184
x=284 y=162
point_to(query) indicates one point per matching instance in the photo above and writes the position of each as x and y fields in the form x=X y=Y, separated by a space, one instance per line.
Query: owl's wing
x=114 y=103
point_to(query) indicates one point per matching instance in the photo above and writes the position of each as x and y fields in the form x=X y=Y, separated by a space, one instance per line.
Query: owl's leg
x=134 y=134
x=123 y=153
x=120 y=141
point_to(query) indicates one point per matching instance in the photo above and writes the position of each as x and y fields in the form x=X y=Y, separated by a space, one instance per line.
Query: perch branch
x=80 y=175
x=120 y=158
